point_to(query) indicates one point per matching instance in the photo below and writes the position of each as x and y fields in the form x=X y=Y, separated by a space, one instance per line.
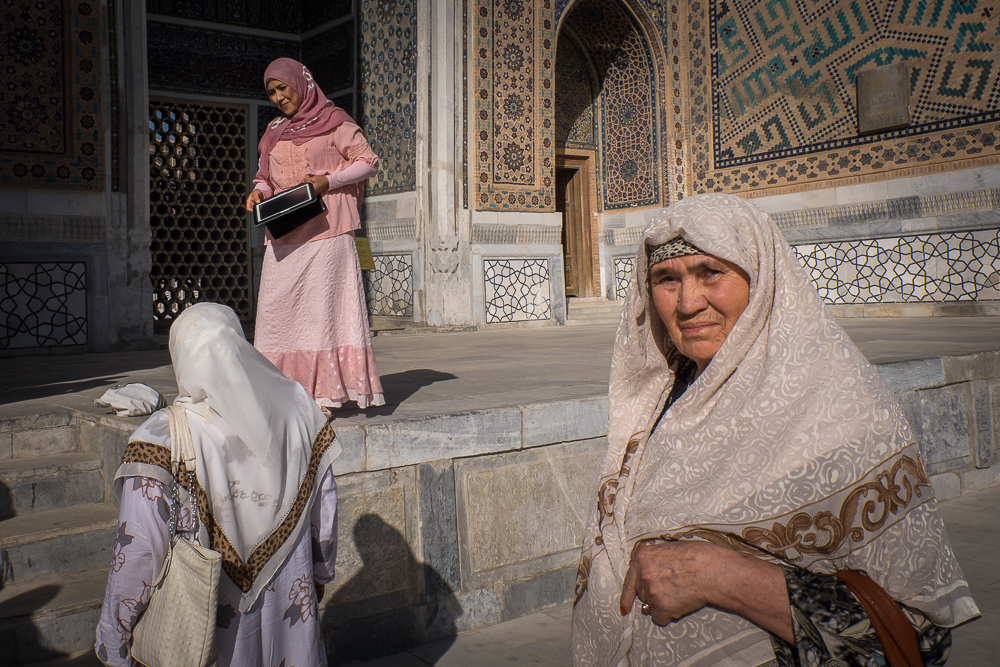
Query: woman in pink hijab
x=312 y=319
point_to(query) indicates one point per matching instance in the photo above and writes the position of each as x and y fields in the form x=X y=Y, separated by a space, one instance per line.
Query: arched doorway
x=607 y=154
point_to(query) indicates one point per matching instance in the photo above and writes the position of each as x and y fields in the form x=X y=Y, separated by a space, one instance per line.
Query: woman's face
x=286 y=99
x=699 y=298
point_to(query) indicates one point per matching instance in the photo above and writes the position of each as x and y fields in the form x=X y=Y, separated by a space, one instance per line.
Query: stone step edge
x=49 y=465
x=84 y=591
x=36 y=530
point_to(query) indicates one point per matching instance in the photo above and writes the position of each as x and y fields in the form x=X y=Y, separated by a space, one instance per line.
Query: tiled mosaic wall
x=517 y=290
x=212 y=62
x=220 y=60
x=292 y=16
x=389 y=287
x=43 y=304
x=660 y=21
x=930 y=268
x=330 y=57
x=388 y=90
x=771 y=90
x=51 y=120
x=513 y=91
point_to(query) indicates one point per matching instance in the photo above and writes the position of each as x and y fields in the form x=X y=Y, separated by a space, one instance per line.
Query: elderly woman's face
x=699 y=298
x=284 y=97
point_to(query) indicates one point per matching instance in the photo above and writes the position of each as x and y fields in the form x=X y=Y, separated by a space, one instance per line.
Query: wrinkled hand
x=679 y=578
x=256 y=197
x=674 y=578
x=320 y=184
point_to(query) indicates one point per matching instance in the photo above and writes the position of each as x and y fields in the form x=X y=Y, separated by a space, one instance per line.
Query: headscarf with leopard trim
x=255 y=432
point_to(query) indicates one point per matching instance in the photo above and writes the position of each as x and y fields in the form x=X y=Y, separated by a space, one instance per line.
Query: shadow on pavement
x=32 y=377
x=397 y=387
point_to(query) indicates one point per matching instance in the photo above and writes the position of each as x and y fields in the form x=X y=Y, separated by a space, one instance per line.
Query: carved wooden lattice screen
x=198 y=176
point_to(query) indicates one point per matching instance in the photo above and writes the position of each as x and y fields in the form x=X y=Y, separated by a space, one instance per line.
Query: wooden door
x=573 y=201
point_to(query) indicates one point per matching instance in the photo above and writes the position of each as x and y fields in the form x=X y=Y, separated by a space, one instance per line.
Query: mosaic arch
x=620 y=55
x=770 y=90
x=661 y=23
x=576 y=96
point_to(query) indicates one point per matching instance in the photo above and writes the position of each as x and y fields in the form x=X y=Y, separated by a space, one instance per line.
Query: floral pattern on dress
x=303 y=597
x=143 y=541
x=832 y=628
x=122 y=541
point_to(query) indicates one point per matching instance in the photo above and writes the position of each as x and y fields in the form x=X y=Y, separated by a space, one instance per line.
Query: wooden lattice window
x=198 y=186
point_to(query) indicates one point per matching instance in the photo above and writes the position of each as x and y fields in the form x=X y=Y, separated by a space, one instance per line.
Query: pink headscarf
x=316 y=115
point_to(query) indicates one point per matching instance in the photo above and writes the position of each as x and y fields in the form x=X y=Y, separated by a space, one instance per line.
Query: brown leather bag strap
x=898 y=638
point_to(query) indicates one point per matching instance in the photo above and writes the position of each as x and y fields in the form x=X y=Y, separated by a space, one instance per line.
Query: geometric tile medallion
x=51 y=129
x=517 y=290
x=43 y=304
x=771 y=89
x=512 y=88
x=962 y=266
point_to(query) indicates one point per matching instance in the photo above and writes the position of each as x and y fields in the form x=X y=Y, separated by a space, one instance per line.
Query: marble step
x=85 y=658
x=596 y=311
x=41 y=483
x=46 y=543
x=38 y=435
x=50 y=618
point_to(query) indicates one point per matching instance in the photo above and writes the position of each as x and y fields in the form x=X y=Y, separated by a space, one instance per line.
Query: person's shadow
x=20 y=642
x=429 y=613
x=398 y=387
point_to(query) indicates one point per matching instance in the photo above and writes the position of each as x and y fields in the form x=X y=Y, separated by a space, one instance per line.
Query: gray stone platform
x=542 y=639
x=463 y=500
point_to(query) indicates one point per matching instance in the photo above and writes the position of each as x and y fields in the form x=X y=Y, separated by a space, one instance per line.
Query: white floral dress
x=282 y=629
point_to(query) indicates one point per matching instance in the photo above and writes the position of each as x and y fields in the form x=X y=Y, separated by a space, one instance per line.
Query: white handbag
x=178 y=627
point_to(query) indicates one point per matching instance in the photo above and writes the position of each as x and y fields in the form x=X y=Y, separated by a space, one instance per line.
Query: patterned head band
x=678 y=247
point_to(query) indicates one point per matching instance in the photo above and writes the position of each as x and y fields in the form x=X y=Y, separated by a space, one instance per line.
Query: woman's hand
x=256 y=197
x=320 y=184
x=679 y=578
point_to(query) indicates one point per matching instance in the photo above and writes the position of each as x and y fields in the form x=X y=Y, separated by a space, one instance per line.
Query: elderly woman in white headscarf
x=265 y=495
x=753 y=452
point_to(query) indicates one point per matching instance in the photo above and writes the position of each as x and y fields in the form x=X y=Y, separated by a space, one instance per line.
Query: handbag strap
x=898 y=638
x=181 y=451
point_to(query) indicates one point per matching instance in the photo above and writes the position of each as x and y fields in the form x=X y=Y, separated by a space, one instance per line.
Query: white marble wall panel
x=516 y=290
x=929 y=268
x=624 y=268
x=43 y=304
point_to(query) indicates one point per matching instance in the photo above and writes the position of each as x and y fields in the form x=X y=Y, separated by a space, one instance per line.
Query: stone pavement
x=448 y=373
x=542 y=639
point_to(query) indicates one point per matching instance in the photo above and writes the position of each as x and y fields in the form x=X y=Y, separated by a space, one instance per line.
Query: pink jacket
x=325 y=155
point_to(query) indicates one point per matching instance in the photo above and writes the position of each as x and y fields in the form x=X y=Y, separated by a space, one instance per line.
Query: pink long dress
x=312 y=319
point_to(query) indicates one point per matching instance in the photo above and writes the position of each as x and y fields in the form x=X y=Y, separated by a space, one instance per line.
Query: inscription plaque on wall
x=883 y=98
